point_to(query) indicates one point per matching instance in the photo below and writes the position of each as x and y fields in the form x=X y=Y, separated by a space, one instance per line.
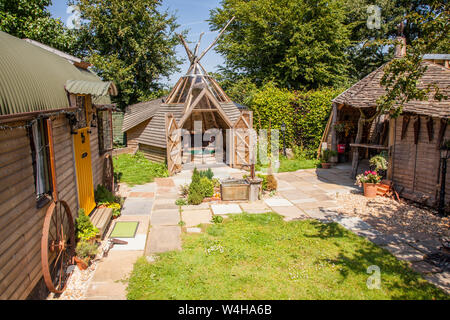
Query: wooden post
x=355 y=160
x=333 y=132
x=51 y=151
x=391 y=143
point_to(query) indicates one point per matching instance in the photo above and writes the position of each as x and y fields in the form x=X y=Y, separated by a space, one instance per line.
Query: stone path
x=109 y=279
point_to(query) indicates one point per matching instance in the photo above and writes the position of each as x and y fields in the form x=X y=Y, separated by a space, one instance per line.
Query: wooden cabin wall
x=134 y=133
x=20 y=222
x=416 y=168
x=152 y=153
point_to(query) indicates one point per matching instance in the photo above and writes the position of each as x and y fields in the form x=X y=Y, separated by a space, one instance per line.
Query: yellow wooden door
x=83 y=165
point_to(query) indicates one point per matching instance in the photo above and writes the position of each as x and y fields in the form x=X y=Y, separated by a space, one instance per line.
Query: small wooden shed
x=412 y=140
x=55 y=134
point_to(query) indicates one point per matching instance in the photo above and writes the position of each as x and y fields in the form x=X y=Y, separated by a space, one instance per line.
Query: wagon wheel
x=108 y=173
x=57 y=246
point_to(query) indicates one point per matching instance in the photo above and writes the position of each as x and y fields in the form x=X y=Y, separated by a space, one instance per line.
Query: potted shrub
x=379 y=163
x=85 y=250
x=325 y=158
x=369 y=180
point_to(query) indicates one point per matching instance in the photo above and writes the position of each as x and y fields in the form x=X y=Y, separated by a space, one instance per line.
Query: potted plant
x=379 y=163
x=369 y=180
x=325 y=158
x=85 y=250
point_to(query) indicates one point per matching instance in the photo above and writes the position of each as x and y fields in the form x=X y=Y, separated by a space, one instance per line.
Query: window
x=104 y=131
x=41 y=160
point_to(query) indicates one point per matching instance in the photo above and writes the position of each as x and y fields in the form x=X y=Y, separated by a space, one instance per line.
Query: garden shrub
x=85 y=230
x=86 y=249
x=180 y=202
x=206 y=173
x=272 y=183
x=196 y=194
x=103 y=195
x=206 y=187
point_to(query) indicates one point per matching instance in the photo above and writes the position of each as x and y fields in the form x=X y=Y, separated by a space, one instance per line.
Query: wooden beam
x=355 y=160
x=51 y=151
x=333 y=131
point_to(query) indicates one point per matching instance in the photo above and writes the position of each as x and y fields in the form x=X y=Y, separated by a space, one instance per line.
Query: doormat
x=124 y=229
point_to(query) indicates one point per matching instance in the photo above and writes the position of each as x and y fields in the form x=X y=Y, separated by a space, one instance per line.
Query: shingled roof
x=365 y=93
x=140 y=112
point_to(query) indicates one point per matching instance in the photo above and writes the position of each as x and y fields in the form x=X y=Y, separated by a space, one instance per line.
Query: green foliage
x=116 y=208
x=31 y=19
x=206 y=187
x=181 y=202
x=216 y=182
x=84 y=228
x=207 y=173
x=103 y=195
x=299 y=44
x=129 y=42
x=327 y=154
x=217 y=219
x=379 y=161
x=86 y=249
x=136 y=169
x=196 y=193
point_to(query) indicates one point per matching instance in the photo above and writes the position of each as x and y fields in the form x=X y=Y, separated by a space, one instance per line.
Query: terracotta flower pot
x=81 y=264
x=326 y=165
x=370 y=190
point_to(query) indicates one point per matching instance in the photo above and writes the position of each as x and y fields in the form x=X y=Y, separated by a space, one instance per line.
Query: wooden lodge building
x=412 y=141
x=195 y=97
x=55 y=136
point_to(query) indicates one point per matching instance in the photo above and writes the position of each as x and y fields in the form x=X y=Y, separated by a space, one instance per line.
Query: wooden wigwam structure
x=196 y=97
x=55 y=148
x=412 y=141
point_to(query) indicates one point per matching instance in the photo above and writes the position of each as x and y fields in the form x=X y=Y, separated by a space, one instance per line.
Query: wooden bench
x=101 y=218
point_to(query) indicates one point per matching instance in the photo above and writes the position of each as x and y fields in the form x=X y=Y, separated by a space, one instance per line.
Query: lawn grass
x=263 y=257
x=136 y=169
x=289 y=165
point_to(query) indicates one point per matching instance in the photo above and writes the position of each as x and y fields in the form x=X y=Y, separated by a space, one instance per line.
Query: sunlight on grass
x=289 y=165
x=136 y=169
x=263 y=257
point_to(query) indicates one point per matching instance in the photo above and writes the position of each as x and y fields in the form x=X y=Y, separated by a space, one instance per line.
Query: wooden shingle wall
x=20 y=222
x=416 y=168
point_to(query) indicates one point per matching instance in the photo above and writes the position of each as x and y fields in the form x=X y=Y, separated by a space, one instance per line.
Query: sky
x=191 y=15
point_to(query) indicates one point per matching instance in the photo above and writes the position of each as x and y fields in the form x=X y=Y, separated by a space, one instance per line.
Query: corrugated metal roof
x=95 y=88
x=33 y=79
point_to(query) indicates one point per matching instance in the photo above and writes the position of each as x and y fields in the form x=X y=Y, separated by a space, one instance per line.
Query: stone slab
x=404 y=252
x=107 y=284
x=134 y=244
x=441 y=280
x=162 y=239
x=193 y=230
x=137 y=207
x=278 y=202
x=149 y=187
x=169 y=217
x=147 y=195
x=193 y=218
x=201 y=206
x=324 y=216
x=290 y=213
x=424 y=267
x=164 y=182
x=295 y=195
x=352 y=223
x=226 y=209
x=255 y=207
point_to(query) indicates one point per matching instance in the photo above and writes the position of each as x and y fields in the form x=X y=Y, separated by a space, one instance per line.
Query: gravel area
x=391 y=217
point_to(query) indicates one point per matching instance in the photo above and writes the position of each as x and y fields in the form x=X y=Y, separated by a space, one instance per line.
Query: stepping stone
x=404 y=252
x=278 y=202
x=320 y=215
x=225 y=209
x=352 y=223
x=255 y=207
x=162 y=239
x=295 y=195
x=424 y=267
x=164 y=182
x=201 y=206
x=426 y=246
x=164 y=204
x=291 y=213
x=134 y=244
x=141 y=195
x=149 y=187
x=194 y=230
x=137 y=207
x=300 y=201
x=195 y=217
x=169 y=217
x=441 y=280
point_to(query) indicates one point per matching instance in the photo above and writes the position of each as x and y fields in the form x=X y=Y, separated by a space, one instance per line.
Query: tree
x=368 y=49
x=129 y=42
x=31 y=19
x=300 y=44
